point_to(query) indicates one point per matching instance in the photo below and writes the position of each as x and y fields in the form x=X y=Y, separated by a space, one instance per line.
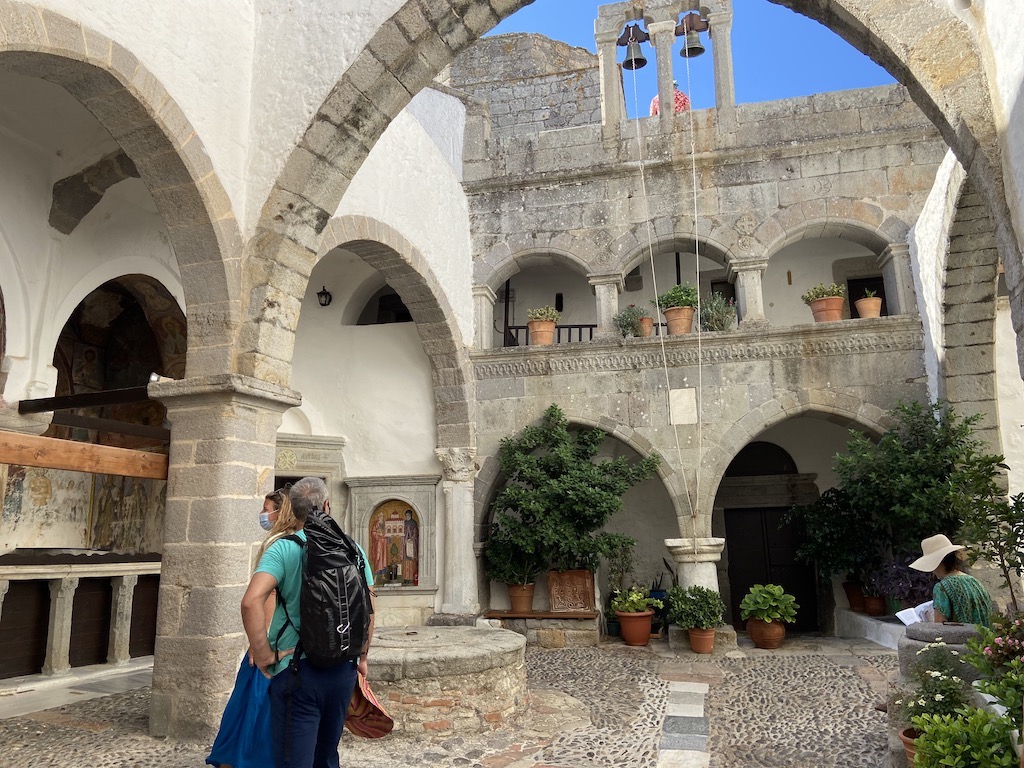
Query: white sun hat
x=934 y=548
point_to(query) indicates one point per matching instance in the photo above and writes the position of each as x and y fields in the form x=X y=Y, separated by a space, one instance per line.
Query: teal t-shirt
x=284 y=560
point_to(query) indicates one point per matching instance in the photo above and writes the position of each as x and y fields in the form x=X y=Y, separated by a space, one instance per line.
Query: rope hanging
x=694 y=506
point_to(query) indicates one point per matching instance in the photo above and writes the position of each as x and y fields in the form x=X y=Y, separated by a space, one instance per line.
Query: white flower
x=933 y=673
x=938 y=697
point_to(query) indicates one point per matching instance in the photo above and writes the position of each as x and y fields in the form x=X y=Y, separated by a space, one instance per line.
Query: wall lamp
x=324 y=297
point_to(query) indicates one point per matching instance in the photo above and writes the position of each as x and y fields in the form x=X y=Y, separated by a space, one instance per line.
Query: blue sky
x=776 y=53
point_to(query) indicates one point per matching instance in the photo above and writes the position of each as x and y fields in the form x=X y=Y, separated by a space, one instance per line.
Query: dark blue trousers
x=307 y=713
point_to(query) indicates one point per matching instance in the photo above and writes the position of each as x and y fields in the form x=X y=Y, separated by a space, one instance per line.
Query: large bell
x=692 y=46
x=634 y=56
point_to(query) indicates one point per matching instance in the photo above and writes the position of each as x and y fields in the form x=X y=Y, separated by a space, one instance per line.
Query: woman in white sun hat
x=957 y=596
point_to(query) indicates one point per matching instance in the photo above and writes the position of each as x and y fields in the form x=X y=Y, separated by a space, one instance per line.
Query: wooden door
x=90 y=622
x=24 y=625
x=763 y=551
x=142 y=639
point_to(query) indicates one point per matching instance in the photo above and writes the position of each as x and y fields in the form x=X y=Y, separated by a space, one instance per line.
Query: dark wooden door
x=142 y=639
x=90 y=622
x=762 y=551
x=24 y=624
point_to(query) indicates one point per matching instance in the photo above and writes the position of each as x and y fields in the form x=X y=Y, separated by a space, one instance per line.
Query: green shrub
x=717 y=313
x=684 y=295
x=938 y=689
x=544 y=313
x=634 y=600
x=969 y=738
x=695 y=608
x=628 y=320
x=768 y=602
x=822 y=291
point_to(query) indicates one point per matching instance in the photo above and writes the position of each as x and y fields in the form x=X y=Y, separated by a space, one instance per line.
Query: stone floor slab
x=683 y=758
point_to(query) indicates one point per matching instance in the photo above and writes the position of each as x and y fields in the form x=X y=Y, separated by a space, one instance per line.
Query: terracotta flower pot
x=635 y=627
x=766 y=634
x=855 y=596
x=541 y=333
x=874 y=606
x=828 y=309
x=701 y=640
x=680 y=320
x=909 y=736
x=646 y=326
x=521 y=597
x=869 y=306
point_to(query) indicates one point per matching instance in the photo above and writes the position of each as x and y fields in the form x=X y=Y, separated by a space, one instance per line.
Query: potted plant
x=766 y=607
x=870 y=305
x=936 y=688
x=717 y=313
x=541 y=325
x=558 y=490
x=620 y=559
x=634 y=609
x=678 y=305
x=698 y=610
x=634 y=321
x=512 y=556
x=825 y=301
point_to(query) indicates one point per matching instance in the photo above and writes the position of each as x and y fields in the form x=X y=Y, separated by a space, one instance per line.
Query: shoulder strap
x=294 y=537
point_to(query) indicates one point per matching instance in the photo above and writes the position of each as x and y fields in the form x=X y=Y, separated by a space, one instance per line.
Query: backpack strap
x=280 y=599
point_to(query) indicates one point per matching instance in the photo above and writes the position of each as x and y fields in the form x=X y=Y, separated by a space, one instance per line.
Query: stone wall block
x=970 y=360
x=197 y=481
x=64 y=34
x=455 y=433
x=23 y=23
x=971 y=389
x=983 y=271
x=213 y=611
x=967 y=334
x=908 y=181
x=172 y=599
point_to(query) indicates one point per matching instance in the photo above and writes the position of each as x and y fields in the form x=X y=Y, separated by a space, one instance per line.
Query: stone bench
x=552 y=629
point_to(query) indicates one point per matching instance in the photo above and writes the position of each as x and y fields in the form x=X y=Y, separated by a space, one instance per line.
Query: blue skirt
x=243 y=740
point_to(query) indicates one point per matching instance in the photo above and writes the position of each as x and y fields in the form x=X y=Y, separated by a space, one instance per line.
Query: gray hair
x=307 y=494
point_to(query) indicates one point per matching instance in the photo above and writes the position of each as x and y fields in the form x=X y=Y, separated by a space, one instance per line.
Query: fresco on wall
x=395 y=544
x=59 y=509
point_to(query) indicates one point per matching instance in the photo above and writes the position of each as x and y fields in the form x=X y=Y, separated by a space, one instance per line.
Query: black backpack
x=334 y=603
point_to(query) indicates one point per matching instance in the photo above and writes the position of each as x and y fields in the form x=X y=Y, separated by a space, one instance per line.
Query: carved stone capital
x=700 y=550
x=458 y=463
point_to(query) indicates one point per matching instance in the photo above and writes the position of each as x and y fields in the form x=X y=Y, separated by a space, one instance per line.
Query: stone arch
x=15 y=331
x=912 y=41
x=845 y=407
x=968 y=371
x=521 y=252
x=633 y=248
x=138 y=112
x=487 y=479
x=409 y=273
x=862 y=223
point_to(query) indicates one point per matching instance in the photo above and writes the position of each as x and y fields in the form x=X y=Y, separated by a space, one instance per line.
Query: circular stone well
x=448 y=679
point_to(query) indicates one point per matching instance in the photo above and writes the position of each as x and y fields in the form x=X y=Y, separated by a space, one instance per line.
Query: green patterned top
x=962 y=598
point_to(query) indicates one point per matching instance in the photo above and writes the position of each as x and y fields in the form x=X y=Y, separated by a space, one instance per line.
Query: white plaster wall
x=809 y=262
x=929 y=240
x=409 y=184
x=202 y=53
x=1010 y=397
x=369 y=384
x=301 y=51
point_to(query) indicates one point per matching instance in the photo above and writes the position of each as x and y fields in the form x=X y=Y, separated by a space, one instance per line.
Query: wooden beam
x=84 y=400
x=110 y=425
x=33 y=451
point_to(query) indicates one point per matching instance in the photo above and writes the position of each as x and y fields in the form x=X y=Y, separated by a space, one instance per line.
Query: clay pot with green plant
x=541 y=325
x=634 y=321
x=699 y=611
x=678 y=304
x=825 y=301
x=767 y=608
x=869 y=305
x=635 y=610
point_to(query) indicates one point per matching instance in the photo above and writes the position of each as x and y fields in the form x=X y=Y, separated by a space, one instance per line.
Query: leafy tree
x=557 y=497
x=995 y=528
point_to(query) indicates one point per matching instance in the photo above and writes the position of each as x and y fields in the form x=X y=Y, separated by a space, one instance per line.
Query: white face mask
x=265 y=523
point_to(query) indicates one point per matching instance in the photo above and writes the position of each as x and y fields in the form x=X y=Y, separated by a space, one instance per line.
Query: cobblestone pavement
x=809 y=704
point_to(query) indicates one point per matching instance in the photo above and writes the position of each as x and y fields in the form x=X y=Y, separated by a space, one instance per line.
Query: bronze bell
x=634 y=56
x=692 y=46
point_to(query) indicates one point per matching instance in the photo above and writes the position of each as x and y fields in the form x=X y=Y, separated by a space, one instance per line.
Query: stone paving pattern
x=808 y=704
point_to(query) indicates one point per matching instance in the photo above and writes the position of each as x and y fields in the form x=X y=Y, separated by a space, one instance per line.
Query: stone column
x=121 y=619
x=483 y=313
x=223 y=435
x=897 y=272
x=58 y=639
x=4 y=585
x=613 y=107
x=663 y=35
x=749 y=294
x=695 y=560
x=720 y=23
x=607 y=289
x=460 y=594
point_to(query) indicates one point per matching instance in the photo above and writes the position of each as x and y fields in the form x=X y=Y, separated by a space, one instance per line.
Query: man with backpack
x=319 y=635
